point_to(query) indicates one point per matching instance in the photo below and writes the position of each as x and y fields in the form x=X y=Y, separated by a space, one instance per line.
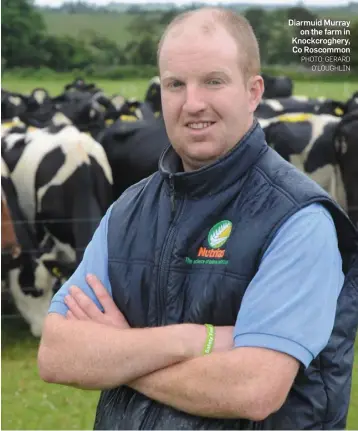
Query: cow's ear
x=59 y=270
x=339 y=109
x=52 y=267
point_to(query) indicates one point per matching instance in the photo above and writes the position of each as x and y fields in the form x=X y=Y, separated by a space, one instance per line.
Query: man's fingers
x=70 y=315
x=75 y=308
x=86 y=304
x=101 y=293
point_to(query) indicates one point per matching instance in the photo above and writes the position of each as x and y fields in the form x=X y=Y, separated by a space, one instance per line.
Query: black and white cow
x=307 y=141
x=39 y=109
x=24 y=277
x=269 y=108
x=346 y=145
x=12 y=105
x=133 y=149
x=153 y=95
x=277 y=86
x=79 y=84
x=128 y=110
x=352 y=103
x=63 y=184
x=136 y=108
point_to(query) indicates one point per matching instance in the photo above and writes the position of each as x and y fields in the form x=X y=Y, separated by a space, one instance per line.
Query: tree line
x=27 y=43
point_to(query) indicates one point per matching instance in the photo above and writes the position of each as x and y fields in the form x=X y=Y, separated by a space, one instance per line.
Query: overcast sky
x=181 y=2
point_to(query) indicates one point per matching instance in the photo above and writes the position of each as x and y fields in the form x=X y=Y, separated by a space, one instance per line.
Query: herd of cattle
x=65 y=159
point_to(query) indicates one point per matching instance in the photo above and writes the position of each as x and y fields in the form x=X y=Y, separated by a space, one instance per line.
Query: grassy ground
x=27 y=402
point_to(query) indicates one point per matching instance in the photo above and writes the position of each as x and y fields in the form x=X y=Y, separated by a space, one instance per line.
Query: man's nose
x=194 y=100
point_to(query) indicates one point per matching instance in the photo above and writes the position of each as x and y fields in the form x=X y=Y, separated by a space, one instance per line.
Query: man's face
x=207 y=106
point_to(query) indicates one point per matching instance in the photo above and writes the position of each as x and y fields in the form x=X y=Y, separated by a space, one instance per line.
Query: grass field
x=27 y=402
x=113 y=26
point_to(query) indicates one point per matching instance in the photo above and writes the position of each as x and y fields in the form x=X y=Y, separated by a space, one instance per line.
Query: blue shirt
x=290 y=304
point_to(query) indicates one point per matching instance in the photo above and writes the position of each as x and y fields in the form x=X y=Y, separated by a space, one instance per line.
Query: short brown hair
x=236 y=25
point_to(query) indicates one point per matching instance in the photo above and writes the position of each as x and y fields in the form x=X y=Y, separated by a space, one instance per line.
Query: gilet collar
x=219 y=175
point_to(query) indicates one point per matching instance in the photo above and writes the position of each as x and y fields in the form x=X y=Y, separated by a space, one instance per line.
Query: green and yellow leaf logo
x=219 y=233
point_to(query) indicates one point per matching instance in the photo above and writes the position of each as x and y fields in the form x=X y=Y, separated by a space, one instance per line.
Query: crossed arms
x=89 y=349
x=292 y=299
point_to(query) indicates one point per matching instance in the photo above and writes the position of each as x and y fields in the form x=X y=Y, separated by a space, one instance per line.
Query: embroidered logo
x=219 y=234
x=217 y=237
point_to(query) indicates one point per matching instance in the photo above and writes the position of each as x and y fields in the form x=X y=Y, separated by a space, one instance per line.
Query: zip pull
x=172 y=194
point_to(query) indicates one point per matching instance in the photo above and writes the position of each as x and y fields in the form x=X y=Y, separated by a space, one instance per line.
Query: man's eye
x=214 y=82
x=175 y=84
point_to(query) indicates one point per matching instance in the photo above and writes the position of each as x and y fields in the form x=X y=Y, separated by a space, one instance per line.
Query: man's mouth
x=200 y=125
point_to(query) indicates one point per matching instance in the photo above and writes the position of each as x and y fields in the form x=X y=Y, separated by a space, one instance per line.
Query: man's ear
x=255 y=88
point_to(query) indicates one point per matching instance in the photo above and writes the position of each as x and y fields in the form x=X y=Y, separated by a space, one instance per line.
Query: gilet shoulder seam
x=277 y=187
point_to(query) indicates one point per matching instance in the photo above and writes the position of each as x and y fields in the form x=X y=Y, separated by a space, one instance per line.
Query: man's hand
x=81 y=307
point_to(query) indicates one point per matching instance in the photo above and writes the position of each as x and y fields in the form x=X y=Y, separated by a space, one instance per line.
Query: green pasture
x=26 y=401
x=114 y=26
x=136 y=88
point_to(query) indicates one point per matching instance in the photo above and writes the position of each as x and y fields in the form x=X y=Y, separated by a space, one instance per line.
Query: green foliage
x=67 y=53
x=143 y=51
x=143 y=24
x=258 y=18
x=104 y=51
x=168 y=16
x=22 y=27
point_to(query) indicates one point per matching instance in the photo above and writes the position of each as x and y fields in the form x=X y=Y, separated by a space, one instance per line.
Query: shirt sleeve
x=95 y=261
x=290 y=304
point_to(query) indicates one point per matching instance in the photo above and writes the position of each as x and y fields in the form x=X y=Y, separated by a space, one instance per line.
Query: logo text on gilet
x=217 y=237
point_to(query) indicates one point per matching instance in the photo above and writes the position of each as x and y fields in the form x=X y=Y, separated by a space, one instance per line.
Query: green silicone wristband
x=210 y=338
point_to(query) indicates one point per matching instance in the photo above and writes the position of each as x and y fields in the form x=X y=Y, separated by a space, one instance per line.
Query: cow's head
x=346 y=146
x=352 y=103
x=37 y=275
x=153 y=95
x=12 y=105
x=331 y=107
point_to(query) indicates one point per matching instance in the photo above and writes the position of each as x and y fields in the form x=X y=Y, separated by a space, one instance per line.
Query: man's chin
x=198 y=160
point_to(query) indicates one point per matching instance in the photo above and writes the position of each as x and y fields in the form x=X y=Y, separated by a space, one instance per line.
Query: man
x=217 y=298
